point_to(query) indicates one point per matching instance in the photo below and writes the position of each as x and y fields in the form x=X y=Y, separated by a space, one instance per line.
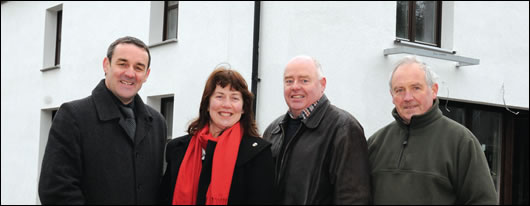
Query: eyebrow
x=125 y=60
x=412 y=85
x=299 y=76
x=141 y=64
x=231 y=93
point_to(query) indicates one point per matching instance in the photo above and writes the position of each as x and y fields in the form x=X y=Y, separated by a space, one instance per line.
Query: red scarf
x=224 y=161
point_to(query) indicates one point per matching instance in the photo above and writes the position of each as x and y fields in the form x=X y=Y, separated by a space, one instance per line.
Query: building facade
x=52 y=52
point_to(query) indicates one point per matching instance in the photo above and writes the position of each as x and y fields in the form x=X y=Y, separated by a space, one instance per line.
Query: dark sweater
x=434 y=160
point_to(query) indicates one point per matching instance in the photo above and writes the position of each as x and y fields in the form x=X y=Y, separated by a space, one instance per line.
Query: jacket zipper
x=405 y=142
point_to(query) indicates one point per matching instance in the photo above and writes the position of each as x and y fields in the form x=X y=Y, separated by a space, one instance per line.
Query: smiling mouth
x=297 y=97
x=225 y=114
x=126 y=83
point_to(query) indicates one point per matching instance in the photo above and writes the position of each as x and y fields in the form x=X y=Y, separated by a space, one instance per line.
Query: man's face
x=410 y=93
x=127 y=72
x=301 y=86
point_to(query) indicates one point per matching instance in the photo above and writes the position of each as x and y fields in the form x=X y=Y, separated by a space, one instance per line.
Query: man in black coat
x=108 y=147
x=320 y=151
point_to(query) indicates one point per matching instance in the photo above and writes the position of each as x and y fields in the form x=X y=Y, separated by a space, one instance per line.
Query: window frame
x=169 y=121
x=58 y=37
x=411 y=30
x=167 y=9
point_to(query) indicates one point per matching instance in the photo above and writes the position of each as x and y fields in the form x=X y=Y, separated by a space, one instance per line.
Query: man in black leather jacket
x=320 y=151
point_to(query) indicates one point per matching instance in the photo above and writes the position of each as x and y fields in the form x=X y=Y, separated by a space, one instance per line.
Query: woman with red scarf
x=222 y=160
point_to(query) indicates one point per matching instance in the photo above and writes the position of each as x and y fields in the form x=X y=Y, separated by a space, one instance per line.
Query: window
x=419 y=22
x=171 y=9
x=520 y=180
x=58 y=38
x=504 y=140
x=46 y=120
x=52 y=38
x=166 y=108
x=53 y=114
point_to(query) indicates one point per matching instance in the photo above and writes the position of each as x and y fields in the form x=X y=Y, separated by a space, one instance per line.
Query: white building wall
x=497 y=34
x=348 y=38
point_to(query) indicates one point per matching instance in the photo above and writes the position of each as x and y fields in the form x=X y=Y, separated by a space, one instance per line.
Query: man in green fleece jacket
x=424 y=157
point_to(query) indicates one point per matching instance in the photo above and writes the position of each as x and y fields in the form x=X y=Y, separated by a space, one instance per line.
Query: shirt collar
x=306 y=112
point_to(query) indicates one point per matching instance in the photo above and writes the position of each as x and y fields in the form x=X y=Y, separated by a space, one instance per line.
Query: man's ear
x=106 y=65
x=434 y=90
x=323 y=83
x=147 y=74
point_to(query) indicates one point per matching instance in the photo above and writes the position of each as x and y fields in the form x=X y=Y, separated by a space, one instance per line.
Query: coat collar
x=107 y=109
x=248 y=148
x=314 y=119
x=418 y=121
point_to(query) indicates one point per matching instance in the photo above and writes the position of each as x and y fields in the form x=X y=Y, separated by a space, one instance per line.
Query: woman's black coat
x=253 y=179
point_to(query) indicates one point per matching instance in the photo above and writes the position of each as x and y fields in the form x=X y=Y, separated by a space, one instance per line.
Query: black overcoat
x=252 y=181
x=90 y=159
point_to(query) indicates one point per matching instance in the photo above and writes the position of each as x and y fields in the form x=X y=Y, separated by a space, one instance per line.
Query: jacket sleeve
x=474 y=184
x=60 y=177
x=349 y=168
x=167 y=185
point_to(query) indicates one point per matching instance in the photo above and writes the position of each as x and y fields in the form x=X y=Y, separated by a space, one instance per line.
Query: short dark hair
x=226 y=77
x=128 y=40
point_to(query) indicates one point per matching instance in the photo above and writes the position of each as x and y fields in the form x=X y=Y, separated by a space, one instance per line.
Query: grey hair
x=430 y=76
x=320 y=74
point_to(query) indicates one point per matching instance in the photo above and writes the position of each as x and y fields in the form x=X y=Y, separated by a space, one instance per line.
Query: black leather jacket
x=325 y=162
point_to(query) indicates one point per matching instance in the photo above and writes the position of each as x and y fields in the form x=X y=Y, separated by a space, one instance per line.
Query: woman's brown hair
x=226 y=77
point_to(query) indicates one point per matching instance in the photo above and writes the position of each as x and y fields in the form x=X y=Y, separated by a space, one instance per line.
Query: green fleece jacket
x=433 y=160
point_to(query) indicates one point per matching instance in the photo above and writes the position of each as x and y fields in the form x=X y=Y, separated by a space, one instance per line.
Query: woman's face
x=226 y=108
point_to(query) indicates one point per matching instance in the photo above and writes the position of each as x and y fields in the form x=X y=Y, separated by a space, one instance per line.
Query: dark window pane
x=402 y=22
x=53 y=114
x=167 y=112
x=172 y=20
x=520 y=161
x=487 y=127
x=58 y=37
x=454 y=113
x=172 y=3
x=426 y=21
